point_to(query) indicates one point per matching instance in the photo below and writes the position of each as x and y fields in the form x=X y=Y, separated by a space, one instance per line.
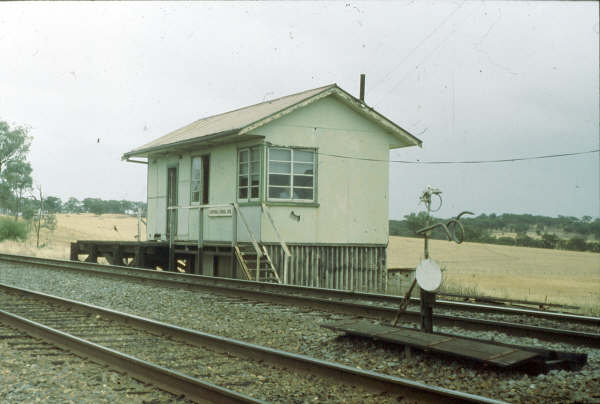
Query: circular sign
x=429 y=275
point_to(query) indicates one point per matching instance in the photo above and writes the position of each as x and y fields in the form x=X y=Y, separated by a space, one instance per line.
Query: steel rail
x=301 y=290
x=321 y=299
x=161 y=377
x=409 y=389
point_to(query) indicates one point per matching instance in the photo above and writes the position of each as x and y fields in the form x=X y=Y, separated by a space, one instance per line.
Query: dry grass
x=72 y=227
x=536 y=274
x=564 y=277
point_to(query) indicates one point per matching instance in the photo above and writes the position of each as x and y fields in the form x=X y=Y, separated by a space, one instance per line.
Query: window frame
x=291 y=175
x=259 y=173
x=203 y=192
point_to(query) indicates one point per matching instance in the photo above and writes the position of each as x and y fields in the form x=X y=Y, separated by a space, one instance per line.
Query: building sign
x=216 y=212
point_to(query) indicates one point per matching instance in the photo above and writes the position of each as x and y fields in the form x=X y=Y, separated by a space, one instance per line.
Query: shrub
x=577 y=244
x=550 y=240
x=505 y=240
x=11 y=229
x=594 y=246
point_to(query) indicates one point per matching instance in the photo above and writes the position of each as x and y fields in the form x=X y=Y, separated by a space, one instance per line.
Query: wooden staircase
x=256 y=263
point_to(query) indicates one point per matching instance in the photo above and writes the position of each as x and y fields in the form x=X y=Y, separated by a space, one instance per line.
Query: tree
x=94 y=205
x=43 y=219
x=72 y=206
x=15 y=172
x=416 y=222
x=53 y=204
x=16 y=177
x=14 y=144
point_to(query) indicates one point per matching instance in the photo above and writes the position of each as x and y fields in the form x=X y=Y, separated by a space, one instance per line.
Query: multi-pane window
x=248 y=173
x=196 y=178
x=200 y=178
x=291 y=174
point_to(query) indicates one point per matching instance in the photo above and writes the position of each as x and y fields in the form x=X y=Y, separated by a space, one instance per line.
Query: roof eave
x=146 y=151
x=397 y=130
x=381 y=119
x=263 y=121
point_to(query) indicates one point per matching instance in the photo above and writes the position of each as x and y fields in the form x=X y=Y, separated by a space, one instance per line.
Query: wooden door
x=171 y=201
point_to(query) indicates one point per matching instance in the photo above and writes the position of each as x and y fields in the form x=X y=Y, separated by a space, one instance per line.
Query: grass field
x=565 y=277
x=71 y=227
x=536 y=274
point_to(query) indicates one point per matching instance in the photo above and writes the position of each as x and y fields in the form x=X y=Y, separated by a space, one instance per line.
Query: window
x=199 y=180
x=291 y=174
x=196 y=178
x=249 y=173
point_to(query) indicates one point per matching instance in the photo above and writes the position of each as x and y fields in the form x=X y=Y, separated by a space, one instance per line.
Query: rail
x=167 y=379
x=203 y=391
x=343 y=302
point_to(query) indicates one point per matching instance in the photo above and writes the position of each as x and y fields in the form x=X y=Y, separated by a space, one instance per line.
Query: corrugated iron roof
x=243 y=119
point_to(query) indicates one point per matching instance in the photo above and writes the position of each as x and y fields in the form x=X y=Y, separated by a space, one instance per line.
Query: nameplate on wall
x=216 y=212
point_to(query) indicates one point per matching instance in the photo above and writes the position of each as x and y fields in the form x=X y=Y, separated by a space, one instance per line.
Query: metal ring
x=452 y=225
x=440 y=205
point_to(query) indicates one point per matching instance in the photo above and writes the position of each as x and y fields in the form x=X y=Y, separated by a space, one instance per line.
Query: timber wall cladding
x=336 y=267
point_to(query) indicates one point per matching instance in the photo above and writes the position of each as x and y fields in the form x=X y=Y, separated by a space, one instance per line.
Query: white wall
x=352 y=194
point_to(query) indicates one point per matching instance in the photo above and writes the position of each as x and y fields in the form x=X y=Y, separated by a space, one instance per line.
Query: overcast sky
x=473 y=80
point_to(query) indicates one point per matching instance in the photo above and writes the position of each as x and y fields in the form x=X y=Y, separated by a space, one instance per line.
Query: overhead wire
x=508 y=160
x=440 y=25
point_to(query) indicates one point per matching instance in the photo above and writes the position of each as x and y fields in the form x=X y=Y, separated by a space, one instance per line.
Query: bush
x=577 y=244
x=505 y=240
x=594 y=246
x=11 y=229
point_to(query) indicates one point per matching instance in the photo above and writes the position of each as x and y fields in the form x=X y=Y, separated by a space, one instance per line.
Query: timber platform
x=186 y=256
x=488 y=353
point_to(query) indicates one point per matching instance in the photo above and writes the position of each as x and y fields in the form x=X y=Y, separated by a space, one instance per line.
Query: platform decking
x=345 y=267
x=480 y=351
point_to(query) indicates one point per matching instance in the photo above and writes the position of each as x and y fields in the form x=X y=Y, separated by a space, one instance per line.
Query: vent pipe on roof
x=362 y=87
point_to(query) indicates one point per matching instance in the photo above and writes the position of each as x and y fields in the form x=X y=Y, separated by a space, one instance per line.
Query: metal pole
x=427 y=298
x=362 y=88
x=139 y=217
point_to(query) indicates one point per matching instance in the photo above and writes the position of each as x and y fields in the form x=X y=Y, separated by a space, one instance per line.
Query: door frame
x=172 y=196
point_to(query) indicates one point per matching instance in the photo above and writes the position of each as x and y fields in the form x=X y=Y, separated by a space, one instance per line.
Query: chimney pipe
x=362 y=87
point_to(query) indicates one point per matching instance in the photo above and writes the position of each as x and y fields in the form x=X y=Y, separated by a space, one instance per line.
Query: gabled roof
x=241 y=121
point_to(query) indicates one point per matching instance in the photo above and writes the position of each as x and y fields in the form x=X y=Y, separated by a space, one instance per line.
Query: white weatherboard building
x=293 y=189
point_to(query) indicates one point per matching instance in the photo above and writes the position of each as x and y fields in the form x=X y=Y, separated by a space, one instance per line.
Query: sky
x=475 y=80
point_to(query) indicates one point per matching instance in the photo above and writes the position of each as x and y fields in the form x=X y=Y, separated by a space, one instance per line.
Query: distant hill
x=562 y=232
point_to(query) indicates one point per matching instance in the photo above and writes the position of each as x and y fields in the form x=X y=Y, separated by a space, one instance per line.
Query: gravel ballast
x=298 y=330
x=32 y=371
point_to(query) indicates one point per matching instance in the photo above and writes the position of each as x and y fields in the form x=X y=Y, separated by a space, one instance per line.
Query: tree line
x=562 y=232
x=21 y=198
x=53 y=204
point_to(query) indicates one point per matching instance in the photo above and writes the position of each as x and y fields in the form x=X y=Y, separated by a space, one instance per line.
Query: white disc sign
x=429 y=275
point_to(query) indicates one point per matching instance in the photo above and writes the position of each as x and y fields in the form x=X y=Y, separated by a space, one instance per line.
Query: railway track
x=201 y=366
x=30 y=363
x=582 y=330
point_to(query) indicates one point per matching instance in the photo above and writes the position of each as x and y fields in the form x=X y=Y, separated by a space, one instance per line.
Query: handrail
x=218 y=205
x=281 y=241
x=252 y=238
x=284 y=246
